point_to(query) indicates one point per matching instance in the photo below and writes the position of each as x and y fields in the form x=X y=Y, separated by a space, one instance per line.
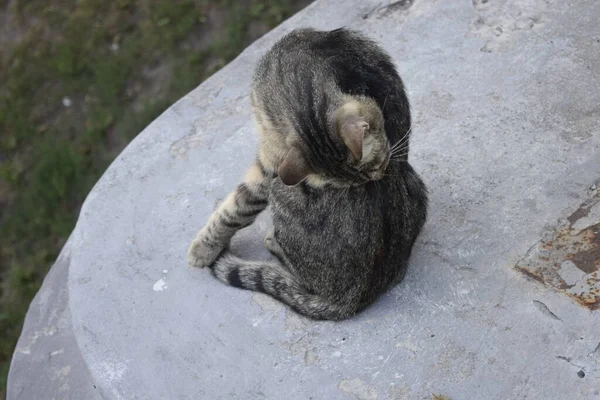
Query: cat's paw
x=273 y=245
x=203 y=253
x=270 y=241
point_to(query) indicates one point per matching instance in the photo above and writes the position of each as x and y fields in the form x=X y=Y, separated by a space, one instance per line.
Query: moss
x=95 y=55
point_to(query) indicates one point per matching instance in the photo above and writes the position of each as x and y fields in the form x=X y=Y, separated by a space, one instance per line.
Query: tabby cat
x=333 y=163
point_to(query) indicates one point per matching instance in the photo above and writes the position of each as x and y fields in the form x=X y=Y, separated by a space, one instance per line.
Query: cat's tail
x=272 y=278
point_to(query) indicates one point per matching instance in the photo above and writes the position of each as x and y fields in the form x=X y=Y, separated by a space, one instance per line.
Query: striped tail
x=272 y=278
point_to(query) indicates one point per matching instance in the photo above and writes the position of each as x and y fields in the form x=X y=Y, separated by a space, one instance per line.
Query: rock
x=47 y=362
x=506 y=142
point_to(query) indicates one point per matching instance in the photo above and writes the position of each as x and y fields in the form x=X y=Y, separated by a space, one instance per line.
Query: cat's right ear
x=294 y=167
x=353 y=134
x=351 y=128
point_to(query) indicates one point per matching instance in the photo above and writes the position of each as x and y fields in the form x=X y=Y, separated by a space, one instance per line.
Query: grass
x=78 y=80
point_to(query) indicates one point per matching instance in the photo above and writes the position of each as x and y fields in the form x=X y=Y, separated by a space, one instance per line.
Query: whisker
x=399 y=149
x=405 y=135
x=404 y=150
x=399 y=146
x=398 y=156
x=396 y=144
x=403 y=138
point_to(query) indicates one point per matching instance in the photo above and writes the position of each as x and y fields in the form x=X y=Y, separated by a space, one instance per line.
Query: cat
x=347 y=206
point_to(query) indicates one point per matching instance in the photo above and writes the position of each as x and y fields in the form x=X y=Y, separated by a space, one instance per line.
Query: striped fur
x=239 y=210
x=272 y=278
x=330 y=106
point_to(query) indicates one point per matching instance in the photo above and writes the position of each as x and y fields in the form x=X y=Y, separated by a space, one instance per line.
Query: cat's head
x=353 y=151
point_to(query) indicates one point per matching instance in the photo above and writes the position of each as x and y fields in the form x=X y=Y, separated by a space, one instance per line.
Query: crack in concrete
x=568 y=359
x=369 y=13
x=545 y=310
x=595 y=355
x=384 y=11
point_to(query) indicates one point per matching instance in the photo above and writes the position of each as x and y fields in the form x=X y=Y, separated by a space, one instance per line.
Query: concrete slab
x=506 y=98
x=47 y=363
x=568 y=257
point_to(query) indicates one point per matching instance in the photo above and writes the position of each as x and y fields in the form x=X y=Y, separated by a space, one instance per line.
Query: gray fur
x=333 y=115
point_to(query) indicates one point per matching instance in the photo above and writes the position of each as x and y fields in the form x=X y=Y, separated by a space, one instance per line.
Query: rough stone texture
x=568 y=258
x=47 y=363
x=506 y=98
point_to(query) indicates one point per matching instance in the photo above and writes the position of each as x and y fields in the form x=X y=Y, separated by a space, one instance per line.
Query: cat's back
x=312 y=50
x=345 y=236
x=391 y=211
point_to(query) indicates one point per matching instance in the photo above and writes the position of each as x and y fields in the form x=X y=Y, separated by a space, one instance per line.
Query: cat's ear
x=294 y=167
x=352 y=131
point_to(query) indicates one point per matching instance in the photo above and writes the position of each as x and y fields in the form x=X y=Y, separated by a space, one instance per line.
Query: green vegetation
x=78 y=80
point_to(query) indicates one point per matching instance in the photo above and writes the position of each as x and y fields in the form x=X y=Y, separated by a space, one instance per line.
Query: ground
x=80 y=79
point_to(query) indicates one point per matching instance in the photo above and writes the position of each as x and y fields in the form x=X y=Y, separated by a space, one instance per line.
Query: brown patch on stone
x=569 y=262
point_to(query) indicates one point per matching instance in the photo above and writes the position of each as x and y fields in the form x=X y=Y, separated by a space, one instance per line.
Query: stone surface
x=568 y=257
x=47 y=363
x=506 y=98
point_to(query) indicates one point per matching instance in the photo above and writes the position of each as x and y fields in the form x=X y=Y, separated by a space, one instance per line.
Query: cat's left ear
x=294 y=167
x=352 y=130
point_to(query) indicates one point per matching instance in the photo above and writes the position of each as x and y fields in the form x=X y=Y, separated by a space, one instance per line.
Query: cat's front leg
x=239 y=210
